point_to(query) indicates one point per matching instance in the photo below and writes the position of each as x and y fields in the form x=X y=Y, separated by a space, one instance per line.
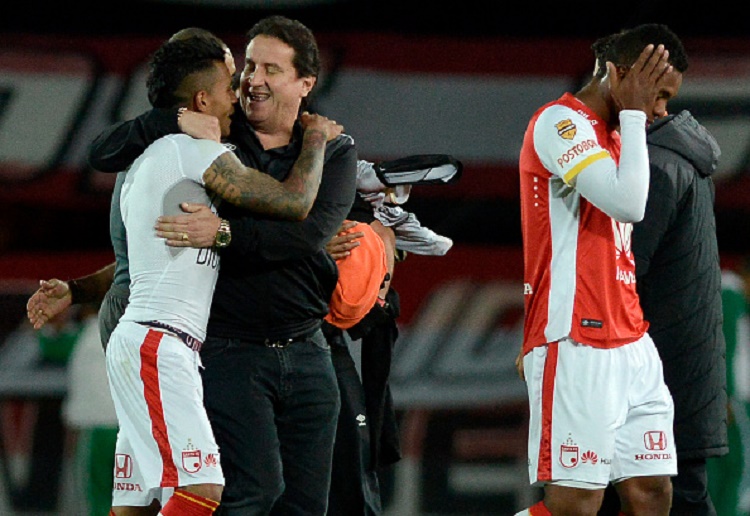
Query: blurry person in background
x=88 y=411
x=729 y=476
x=35 y=440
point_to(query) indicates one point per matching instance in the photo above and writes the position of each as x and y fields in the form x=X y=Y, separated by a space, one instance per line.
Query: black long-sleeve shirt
x=275 y=279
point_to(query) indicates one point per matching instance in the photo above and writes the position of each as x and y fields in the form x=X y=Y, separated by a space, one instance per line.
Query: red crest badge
x=568 y=456
x=191 y=460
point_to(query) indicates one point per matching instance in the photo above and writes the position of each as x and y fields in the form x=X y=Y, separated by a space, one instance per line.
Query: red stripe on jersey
x=544 y=468
x=152 y=394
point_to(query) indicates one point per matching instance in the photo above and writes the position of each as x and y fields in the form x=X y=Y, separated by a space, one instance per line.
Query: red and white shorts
x=165 y=439
x=598 y=415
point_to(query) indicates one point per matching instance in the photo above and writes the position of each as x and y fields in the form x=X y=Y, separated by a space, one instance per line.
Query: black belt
x=283 y=342
x=185 y=337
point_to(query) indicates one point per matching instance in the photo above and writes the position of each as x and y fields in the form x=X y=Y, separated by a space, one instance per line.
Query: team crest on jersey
x=566 y=129
x=569 y=454
x=191 y=458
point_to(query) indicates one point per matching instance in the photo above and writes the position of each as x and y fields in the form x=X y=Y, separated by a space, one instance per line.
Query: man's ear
x=622 y=70
x=307 y=85
x=200 y=101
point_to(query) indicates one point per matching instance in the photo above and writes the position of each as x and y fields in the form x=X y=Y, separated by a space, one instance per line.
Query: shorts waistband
x=185 y=337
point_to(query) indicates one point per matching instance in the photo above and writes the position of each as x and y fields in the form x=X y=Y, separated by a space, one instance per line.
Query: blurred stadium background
x=404 y=77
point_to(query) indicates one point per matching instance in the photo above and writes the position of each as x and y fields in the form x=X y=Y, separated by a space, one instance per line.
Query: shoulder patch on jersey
x=566 y=129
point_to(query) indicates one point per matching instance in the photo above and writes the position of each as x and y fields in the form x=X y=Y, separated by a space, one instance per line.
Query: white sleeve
x=622 y=193
x=197 y=155
x=581 y=162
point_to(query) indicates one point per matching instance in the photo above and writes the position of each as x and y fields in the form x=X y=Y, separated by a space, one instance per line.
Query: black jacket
x=679 y=281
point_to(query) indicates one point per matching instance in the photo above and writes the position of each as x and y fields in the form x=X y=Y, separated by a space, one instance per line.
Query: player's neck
x=271 y=139
x=593 y=96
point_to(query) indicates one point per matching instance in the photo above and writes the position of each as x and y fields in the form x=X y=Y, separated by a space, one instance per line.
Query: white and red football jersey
x=579 y=271
x=173 y=285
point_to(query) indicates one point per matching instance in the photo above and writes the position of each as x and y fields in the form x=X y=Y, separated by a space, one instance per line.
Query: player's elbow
x=629 y=215
x=301 y=209
x=631 y=207
x=299 y=215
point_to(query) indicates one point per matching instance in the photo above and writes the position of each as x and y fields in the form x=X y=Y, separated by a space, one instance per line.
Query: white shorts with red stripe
x=598 y=415
x=165 y=439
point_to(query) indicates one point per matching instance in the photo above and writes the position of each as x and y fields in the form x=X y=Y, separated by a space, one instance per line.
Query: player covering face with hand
x=600 y=410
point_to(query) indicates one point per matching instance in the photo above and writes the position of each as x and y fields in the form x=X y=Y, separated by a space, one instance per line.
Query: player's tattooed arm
x=291 y=199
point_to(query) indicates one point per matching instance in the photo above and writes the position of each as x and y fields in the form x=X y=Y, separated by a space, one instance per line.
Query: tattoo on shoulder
x=251 y=189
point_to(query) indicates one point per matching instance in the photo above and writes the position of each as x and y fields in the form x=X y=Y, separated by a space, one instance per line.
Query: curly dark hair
x=174 y=63
x=624 y=47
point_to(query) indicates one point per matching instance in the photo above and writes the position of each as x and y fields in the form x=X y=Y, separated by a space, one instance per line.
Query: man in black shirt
x=269 y=384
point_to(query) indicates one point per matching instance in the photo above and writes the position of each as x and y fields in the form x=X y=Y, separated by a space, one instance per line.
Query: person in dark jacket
x=679 y=284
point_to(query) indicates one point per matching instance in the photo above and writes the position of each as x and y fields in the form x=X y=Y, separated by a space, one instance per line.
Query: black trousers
x=355 y=488
x=274 y=413
x=689 y=492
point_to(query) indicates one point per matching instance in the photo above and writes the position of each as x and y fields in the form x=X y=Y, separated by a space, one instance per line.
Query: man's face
x=670 y=87
x=221 y=98
x=270 y=90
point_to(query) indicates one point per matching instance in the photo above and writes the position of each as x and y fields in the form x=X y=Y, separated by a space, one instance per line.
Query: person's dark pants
x=355 y=489
x=110 y=311
x=690 y=489
x=274 y=414
x=689 y=492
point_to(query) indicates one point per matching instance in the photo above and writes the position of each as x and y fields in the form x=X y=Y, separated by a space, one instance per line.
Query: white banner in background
x=42 y=94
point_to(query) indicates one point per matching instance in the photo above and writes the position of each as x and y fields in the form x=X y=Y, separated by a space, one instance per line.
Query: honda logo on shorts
x=123 y=466
x=655 y=440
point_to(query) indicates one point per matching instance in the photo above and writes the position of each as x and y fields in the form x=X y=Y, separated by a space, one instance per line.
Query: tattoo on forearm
x=259 y=192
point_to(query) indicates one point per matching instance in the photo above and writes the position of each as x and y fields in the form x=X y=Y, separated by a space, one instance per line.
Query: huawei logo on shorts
x=589 y=457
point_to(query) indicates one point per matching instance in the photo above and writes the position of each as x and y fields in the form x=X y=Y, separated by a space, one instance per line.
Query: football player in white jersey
x=166 y=449
x=600 y=411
